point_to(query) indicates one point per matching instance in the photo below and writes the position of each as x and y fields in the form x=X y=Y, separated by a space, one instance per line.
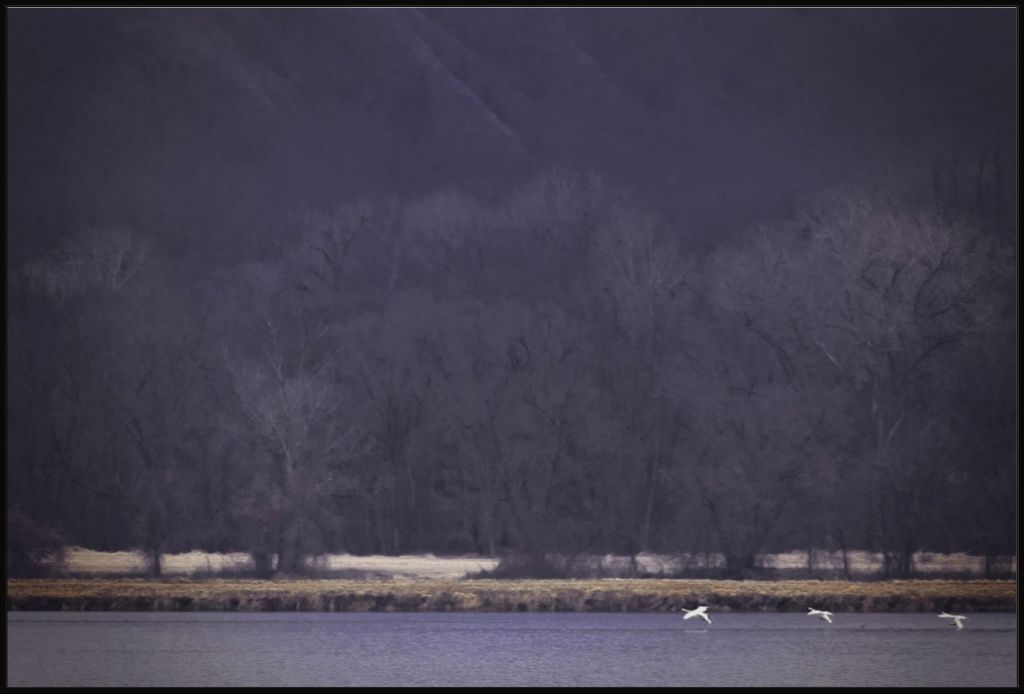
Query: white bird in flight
x=958 y=619
x=827 y=616
x=701 y=612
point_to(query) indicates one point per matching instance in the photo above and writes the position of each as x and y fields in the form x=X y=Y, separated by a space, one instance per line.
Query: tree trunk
x=154 y=519
x=264 y=563
x=154 y=561
x=846 y=559
x=288 y=554
x=739 y=565
x=649 y=507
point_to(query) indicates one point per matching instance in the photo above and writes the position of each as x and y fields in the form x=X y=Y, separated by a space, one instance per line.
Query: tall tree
x=894 y=293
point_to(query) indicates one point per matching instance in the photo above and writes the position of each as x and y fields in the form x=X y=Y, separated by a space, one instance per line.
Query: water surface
x=502 y=649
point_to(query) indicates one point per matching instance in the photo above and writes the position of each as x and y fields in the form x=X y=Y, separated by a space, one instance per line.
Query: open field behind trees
x=615 y=595
x=84 y=562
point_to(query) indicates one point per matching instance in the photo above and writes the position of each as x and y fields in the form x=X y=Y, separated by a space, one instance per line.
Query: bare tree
x=127 y=430
x=444 y=236
x=382 y=353
x=115 y=259
x=292 y=409
x=752 y=439
x=893 y=293
x=328 y=244
x=645 y=299
x=643 y=274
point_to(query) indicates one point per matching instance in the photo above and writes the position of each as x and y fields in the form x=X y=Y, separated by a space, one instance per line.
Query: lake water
x=502 y=649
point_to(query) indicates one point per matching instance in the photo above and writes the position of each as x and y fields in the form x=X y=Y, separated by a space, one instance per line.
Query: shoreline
x=503 y=595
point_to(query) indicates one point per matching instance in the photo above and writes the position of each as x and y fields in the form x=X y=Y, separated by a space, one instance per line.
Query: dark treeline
x=551 y=374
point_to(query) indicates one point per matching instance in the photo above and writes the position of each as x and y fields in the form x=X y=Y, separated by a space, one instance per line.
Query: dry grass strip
x=616 y=595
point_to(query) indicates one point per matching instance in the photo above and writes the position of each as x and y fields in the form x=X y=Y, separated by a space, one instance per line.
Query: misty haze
x=545 y=293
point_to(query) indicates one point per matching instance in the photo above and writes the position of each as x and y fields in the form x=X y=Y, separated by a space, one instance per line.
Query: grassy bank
x=606 y=595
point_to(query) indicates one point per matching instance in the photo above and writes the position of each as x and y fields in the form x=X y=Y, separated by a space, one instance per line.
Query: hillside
x=213 y=127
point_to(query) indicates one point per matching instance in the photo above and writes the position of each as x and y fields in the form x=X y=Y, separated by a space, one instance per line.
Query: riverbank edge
x=602 y=595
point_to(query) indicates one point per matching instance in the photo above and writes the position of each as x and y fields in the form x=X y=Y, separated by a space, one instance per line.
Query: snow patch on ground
x=408 y=565
x=79 y=560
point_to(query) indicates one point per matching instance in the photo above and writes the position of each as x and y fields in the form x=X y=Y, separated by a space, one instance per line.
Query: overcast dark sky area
x=209 y=128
